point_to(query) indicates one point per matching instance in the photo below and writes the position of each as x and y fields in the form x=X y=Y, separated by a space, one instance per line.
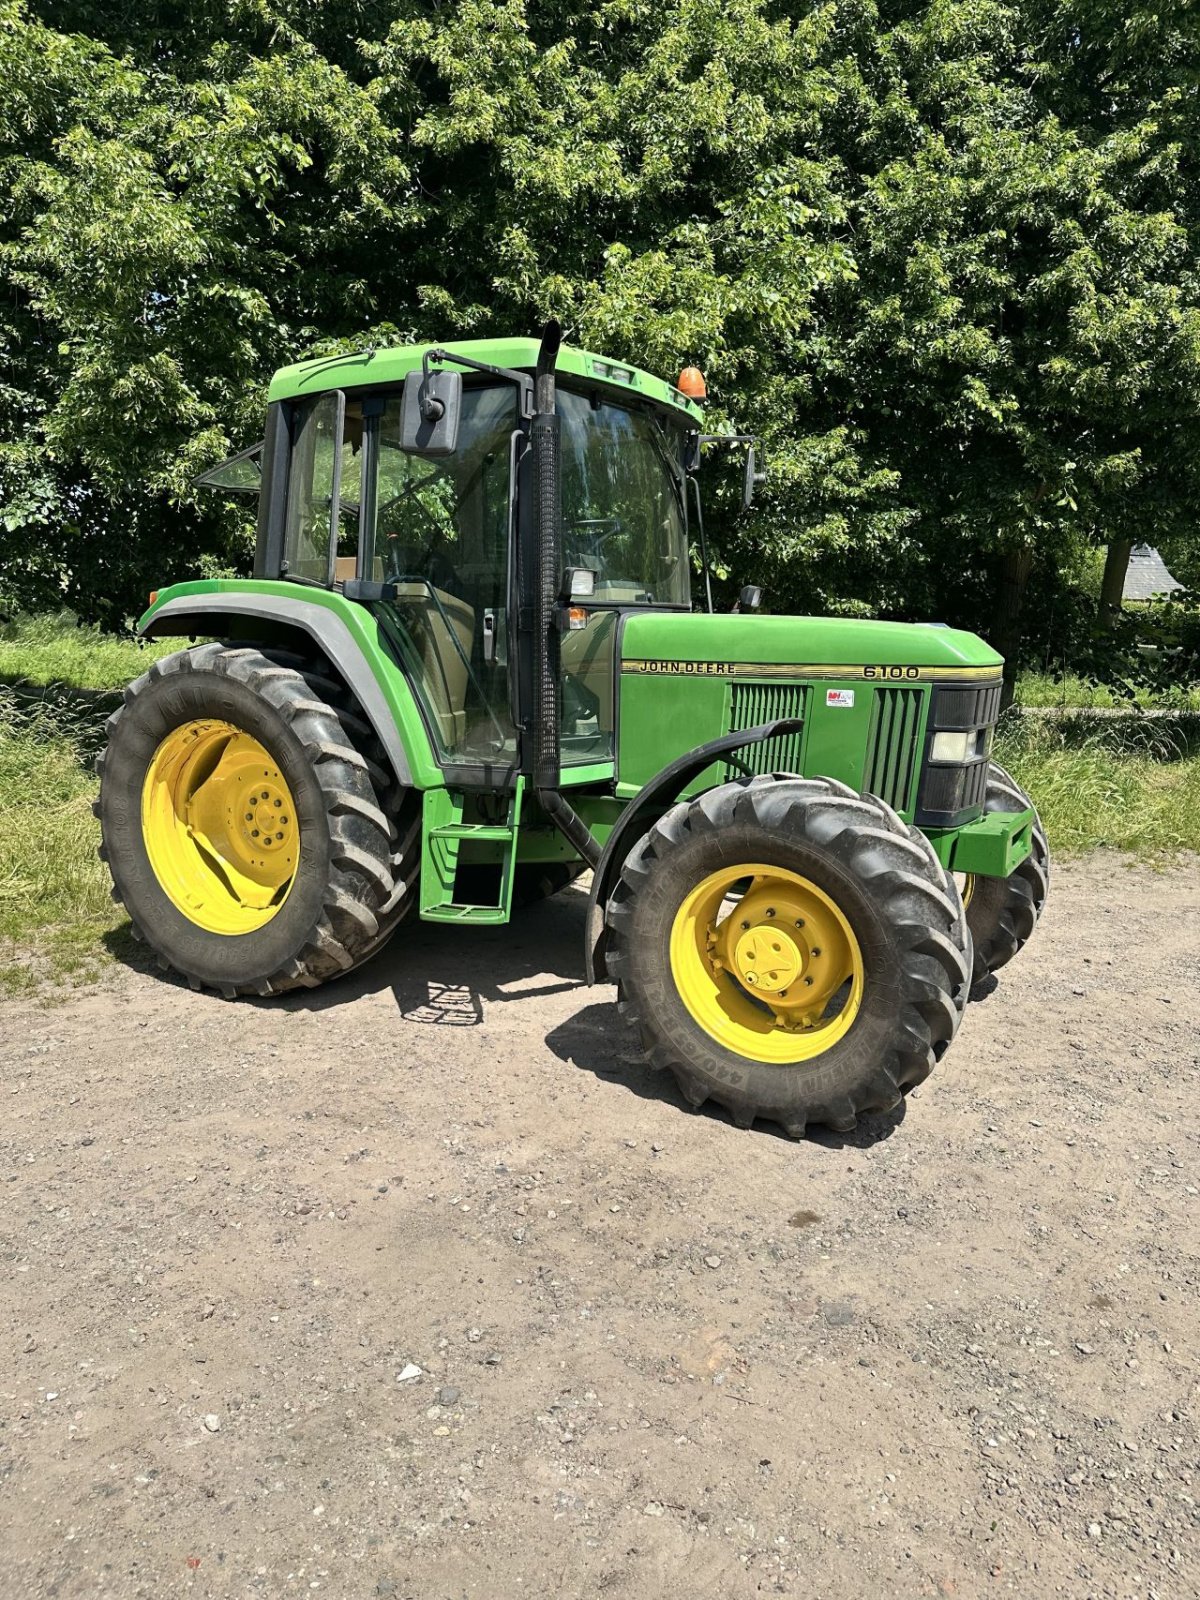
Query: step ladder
x=444 y=833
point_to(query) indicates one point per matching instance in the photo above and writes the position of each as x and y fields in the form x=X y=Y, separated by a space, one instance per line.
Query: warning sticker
x=839 y=697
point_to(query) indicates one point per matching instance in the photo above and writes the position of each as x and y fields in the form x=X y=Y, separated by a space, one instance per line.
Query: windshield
x=623 y=508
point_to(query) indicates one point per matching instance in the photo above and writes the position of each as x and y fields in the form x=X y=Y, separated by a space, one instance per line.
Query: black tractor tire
x=891 y=890
x=1003 y=912
x=358 y=845
x=961 y=935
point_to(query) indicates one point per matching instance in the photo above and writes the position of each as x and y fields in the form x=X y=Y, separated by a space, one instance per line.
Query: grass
x=56 y=650
x=1039 y=690
x=55 y=906
x=1123 y=784
x=58 y=683
x=1129 y=784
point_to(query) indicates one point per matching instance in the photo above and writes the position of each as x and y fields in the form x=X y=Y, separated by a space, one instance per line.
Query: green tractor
x=469 y=666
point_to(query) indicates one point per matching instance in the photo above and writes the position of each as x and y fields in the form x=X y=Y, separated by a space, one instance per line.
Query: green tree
x=942 y=255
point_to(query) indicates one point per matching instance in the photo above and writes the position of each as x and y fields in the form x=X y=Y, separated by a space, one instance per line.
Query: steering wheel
x=419 y=561
x=431 y=566
x=594 y=536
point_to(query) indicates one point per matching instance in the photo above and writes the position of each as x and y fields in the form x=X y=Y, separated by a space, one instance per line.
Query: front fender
x=652 y=802
x=343 y=631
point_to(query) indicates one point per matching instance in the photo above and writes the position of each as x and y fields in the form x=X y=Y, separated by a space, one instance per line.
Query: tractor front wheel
x=244 y=826
x=788 y=950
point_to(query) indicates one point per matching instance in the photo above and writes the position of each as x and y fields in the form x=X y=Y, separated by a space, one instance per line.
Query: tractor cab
x=439 y=536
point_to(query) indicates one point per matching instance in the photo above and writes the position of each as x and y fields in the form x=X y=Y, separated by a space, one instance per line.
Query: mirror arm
x=441 y=358
x=704 y=566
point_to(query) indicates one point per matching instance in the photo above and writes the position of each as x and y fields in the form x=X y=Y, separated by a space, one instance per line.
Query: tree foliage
x=943 y=256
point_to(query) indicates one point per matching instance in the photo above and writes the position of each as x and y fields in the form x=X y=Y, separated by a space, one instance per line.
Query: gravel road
x=421 y=1286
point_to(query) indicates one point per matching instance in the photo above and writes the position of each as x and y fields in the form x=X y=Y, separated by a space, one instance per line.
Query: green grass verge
x=55 y=906
x=58 y=683
x=1072 y=693
x=1122 y=783
x=55 y=649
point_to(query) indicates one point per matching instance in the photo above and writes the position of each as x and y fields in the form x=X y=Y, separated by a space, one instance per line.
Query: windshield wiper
x=662 y=446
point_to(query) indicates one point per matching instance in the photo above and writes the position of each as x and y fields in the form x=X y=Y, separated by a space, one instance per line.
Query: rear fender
x=346 y=634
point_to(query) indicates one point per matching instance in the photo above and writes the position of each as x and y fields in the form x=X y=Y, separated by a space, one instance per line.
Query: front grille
x=752 y=704
x=892 y=746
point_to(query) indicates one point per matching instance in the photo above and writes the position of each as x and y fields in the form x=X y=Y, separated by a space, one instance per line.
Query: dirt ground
x=422 y=1286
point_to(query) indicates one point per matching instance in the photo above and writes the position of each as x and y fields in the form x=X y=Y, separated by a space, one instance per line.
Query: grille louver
x=892 y=746
x=755 y=703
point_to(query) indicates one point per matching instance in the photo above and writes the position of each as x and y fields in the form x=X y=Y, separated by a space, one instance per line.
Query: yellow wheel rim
x=219 y=825
x=767 y=964
x=966 y=886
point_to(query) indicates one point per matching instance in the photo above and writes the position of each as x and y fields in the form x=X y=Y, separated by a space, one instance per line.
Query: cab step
x=444 y=833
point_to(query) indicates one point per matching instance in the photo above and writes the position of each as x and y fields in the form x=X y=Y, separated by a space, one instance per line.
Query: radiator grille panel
x=892 y=746
x=755 y=703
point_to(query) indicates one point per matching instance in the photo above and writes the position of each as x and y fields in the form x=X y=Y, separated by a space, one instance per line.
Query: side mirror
x=430 y=412
x=753 y=477
x=750 y=598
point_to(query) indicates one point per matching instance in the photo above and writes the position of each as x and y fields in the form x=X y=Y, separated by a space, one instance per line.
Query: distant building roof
x=1147 y=575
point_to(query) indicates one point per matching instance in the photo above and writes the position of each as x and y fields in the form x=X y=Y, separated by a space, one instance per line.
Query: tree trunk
x=1112 y=585
x=1010 y=598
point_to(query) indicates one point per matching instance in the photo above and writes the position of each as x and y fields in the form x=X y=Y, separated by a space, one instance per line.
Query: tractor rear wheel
x=244 y=826
x=786 y=949
x=1003 y=912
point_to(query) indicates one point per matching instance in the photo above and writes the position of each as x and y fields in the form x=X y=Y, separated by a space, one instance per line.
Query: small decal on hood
x=839 y=697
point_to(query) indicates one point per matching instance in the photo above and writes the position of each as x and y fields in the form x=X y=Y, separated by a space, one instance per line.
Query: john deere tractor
x=470 y=665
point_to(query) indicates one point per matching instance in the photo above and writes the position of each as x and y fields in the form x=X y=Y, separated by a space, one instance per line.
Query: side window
x=314 y=485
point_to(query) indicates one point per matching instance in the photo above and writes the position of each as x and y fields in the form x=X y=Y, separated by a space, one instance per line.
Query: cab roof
x=370 y=368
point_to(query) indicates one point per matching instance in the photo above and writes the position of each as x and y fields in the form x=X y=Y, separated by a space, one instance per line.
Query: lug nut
x=770 y=911
x=799 y=922
x=816 y=950
x=745 y=927
x=278 y=803
x=808 y=983
x=254 y=833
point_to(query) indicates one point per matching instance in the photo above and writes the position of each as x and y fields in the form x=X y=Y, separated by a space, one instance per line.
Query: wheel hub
x=768 y=959
x=220 y=827
x=767 y=963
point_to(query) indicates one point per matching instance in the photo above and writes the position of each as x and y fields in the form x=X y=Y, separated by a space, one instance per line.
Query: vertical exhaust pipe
x=545 y=439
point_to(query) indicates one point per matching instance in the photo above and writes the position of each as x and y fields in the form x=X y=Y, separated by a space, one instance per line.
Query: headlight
x=954 y=776
x=953 y=746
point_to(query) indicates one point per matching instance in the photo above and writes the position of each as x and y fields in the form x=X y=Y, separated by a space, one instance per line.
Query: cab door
x=438 y=535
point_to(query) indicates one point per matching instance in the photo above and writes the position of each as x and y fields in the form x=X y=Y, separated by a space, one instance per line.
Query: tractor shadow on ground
x=440 y=976
x=598 y=1040
x=437 y=975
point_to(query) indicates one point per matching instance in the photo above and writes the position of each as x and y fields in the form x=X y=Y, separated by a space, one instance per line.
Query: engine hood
x=672 y=643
